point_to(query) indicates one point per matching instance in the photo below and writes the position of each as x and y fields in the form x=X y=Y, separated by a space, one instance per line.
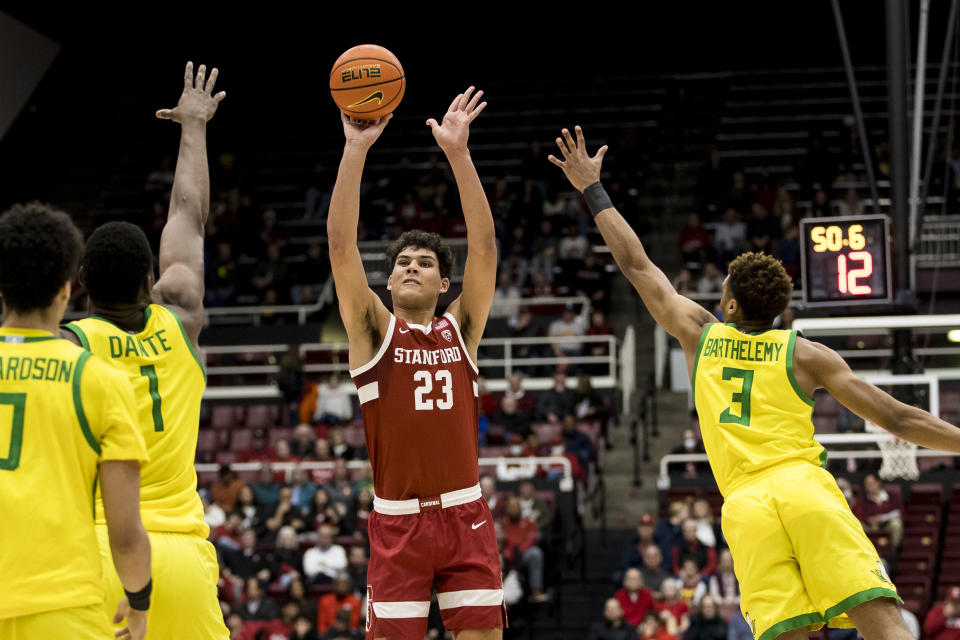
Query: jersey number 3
x=421 y=402
x=742 y=397
x=19 y=402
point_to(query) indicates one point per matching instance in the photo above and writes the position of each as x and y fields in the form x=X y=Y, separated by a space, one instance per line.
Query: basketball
x=367 y=82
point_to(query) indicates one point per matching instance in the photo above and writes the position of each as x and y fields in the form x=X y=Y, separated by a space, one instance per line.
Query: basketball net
x=899 y=459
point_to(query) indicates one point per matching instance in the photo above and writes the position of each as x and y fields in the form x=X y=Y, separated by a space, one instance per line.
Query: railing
x=939 y=242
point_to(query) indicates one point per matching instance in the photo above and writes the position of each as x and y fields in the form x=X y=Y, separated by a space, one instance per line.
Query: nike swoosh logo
x=376 y=95
x=478 y=525
x=402 y=331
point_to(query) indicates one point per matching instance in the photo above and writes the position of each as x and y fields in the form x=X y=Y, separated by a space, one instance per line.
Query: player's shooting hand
x=581 y=170
x=453 y=132
x=363 y=133
x=136 y=627
x=197 y=101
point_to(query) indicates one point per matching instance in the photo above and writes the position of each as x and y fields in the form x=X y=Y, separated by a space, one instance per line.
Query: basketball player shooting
x=417 y=381
x=801 y=557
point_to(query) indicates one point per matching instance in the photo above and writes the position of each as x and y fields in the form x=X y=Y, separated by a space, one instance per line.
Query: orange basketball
x=367 y=82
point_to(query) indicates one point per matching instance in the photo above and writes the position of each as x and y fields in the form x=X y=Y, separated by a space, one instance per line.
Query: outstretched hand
x=197 y=101
x=581 y=170
x=453 y=133
x=363 y=132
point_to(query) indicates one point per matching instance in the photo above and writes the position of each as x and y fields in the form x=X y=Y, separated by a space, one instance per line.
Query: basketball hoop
x=899 y=459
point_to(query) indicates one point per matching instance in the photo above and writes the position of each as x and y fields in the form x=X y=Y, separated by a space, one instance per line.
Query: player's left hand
x=581 y=170
x=136 y=627
x=452 y=134
x=197 y=101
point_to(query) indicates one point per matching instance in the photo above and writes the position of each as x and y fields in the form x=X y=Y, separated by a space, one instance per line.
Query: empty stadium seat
x=208 y=441
x=240 y=439
x=276 y=435
x=261 y=416
x=226 y=416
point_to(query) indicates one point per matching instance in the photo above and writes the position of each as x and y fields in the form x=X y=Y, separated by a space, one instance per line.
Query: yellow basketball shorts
x=184 y=602
x=76 y=623
x=800 y=555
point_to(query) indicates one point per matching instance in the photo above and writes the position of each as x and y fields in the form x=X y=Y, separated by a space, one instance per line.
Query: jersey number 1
x=421 y=402
x=150 y=372
x=19 y=403
x=742 y=397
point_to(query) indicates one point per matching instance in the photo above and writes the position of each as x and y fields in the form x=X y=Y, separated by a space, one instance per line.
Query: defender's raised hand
x=453 y=132
x=581 y=170
x=197 y=101
x=363 y=133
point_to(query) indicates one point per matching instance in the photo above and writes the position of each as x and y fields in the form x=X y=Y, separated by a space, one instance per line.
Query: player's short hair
x=39 y=252
x=115 y=263
x=760 y=285
x=423 y=240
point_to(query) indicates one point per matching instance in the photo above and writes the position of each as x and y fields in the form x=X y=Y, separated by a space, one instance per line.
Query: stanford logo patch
x=447 y=335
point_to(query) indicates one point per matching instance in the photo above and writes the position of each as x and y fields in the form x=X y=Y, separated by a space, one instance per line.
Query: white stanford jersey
x=418 y=397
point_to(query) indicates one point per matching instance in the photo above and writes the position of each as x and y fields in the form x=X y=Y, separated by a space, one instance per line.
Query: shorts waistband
x=432 y=503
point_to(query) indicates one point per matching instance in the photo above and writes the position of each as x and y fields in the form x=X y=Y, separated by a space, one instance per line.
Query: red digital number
x=847 y=279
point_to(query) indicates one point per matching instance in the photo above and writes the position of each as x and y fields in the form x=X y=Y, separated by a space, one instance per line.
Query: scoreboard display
x=845 y=261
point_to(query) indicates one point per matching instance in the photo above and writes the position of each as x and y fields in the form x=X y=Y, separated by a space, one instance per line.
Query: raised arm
x=679 y=316
x=181 y=244
x=480 y=272
x=818 y=366
x=364 y=315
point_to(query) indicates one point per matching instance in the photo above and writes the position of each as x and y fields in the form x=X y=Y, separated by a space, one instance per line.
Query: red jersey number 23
x=425 y=388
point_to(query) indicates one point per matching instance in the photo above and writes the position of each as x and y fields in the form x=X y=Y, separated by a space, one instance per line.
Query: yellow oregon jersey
x=61 y=412
x=168 y=383
x=753 y=414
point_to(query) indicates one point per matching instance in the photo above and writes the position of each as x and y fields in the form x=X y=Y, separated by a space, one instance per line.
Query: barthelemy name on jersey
x=26 y=368
x=747 y=350
x=427 y=356
x=134 y=345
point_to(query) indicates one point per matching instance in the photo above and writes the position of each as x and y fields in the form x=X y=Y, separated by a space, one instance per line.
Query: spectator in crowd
x=598 y=327
x=856 y=506
x=706 y=623
x=506 y=298
x=613 y=626
x=256 y=605
x=673 y=605
x=282 y=452
x=694 y=243
x=228 y=536
x=286 y=559
x=763 y=230
x=248 y=561
x=658 y=627
x=534 y=508
x=341 y=629
x=339 y=487
x=485 y=398
x=851 y=205
x=881 y=510
x=297 y=592
x=235 y=626
x=266 y=490
x=557 y=401
x=226 y=489
x=526 y=402
x=711 y=280
x=693 y=586
x=684 y=282
x=788 y=252
x=691 y=444
x=355 y=522
x=258 y=450
x=653 y=572
x=339 y=447
x=213 y=514
x=488 y=489
x=591 y=281
x=820 y=205
x=724 y=588
x=784 y=208
x=322 y=510
x=521 y=540
x=321 y=563
x=667 y=533
x=943 y=620
x=511 y=419
x=302 y=489
x=254 y=515
x=578 y=443
x=730 y=236
x=334 y=403
x=633 y=555
x=304 y=442
x=284 y=626
x=532 y=446
x=568 y=325
x=290 y=381
x=526 y=327
x=690 y=545
x=634 y=598
x=303 y=629
x=339 y=599
x=708 y=531
x=738 y=628
x=558 y=449
x=357 y=565
x=222 y=277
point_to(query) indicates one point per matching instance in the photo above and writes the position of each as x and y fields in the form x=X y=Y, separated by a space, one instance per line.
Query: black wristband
x=140 y=600
x=597 y=198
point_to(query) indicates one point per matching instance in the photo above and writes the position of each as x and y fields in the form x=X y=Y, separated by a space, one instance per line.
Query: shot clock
x=845 y=261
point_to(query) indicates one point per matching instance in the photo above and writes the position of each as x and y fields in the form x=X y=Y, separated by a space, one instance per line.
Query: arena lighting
x=953 y=335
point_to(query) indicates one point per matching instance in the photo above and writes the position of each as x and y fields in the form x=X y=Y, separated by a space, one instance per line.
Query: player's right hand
x=197 y=101
x=363 y=133
x=136 y=628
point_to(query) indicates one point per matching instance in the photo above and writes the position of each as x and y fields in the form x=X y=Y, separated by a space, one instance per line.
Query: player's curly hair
x=115 y=263
x=39 y=252
x=760 y=285
x=423 y=240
